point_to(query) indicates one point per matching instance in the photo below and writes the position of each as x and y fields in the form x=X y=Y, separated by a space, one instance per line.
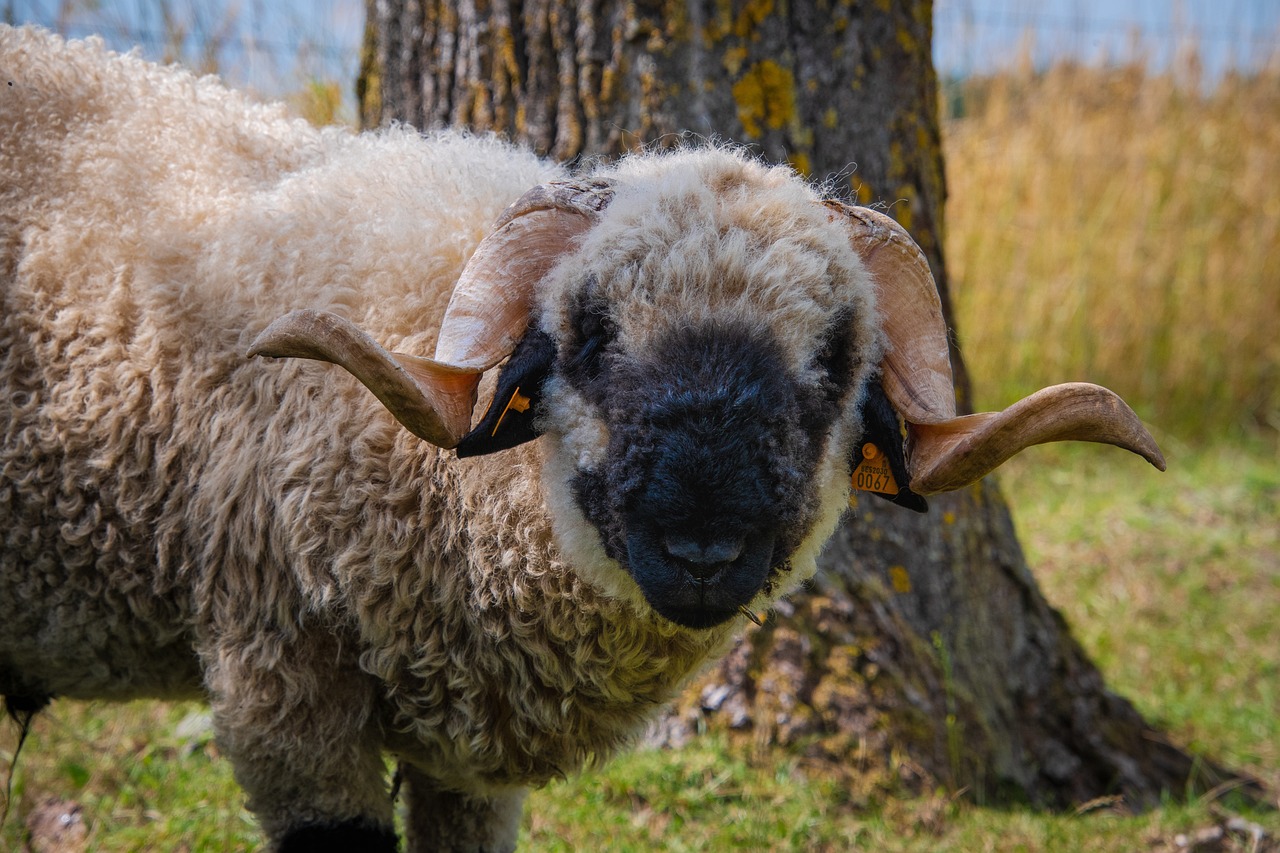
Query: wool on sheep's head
x=707 y=346
x=715 y=330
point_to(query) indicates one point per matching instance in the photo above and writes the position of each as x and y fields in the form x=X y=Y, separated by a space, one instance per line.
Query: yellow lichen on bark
x=907 y=41
x=753 y=14
x=903 y=212
x=900 y=578
x=766 y=98
x=675 y=19
x=608 y=83
x=733 y=59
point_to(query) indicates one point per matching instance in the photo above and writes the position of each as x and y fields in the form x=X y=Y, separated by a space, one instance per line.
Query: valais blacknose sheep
x=681 y=359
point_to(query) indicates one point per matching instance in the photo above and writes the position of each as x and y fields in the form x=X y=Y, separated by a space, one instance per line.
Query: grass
x=728 y=804
x=1172 y=583
x=146 y=774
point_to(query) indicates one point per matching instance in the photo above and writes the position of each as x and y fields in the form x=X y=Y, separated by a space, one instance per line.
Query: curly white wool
x=179 y=520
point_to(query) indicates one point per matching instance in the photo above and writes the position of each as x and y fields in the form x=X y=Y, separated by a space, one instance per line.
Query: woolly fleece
x=178 y=520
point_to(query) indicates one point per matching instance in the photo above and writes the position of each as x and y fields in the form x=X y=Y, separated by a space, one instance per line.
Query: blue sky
x=980 y=35
x=274 y=46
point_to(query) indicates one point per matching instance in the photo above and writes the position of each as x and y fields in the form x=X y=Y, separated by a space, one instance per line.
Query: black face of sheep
x=701 y=493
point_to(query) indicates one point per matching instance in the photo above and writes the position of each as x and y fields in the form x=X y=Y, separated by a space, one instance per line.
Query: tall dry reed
x=1122 y=227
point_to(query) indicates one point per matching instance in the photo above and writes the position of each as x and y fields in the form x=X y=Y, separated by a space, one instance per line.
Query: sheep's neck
x=515 y=671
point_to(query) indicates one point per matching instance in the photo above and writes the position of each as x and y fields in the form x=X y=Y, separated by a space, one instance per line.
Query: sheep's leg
x=296 y=720
x=437 y=821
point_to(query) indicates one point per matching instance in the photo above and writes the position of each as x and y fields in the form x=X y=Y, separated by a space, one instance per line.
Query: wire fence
x=1218 y=36
x=277 y=46
x=273 y=47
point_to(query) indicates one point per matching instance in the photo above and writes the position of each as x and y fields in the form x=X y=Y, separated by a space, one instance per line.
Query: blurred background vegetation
x=1113 y=216
x=1123 y=226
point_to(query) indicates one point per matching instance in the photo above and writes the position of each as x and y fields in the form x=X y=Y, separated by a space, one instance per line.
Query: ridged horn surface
x=916 y=369
x=946 y=452
x=489 y=309
x=955 y=453
x=432 y=400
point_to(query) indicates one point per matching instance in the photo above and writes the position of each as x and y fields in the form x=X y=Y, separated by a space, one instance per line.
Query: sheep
x=686 y=356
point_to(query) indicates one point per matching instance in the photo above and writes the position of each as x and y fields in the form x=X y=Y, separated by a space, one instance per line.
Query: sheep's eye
x=594 y=330
x=835 y=359
x=597 y=332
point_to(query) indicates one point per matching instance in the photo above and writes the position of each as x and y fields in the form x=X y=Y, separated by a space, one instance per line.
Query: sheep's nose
x=703 y=559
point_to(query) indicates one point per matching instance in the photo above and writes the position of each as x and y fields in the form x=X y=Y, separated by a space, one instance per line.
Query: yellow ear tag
x=874 y=475
x=519 y=402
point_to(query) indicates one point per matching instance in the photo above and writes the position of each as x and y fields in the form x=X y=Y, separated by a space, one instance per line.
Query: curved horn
x=953 y=454
x=946 y=452
x=487 y=314
x=489 y=308
x=432 y=400
x=916 y=369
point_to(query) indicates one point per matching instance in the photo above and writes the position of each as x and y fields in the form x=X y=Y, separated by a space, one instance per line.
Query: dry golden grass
x=1118 y=226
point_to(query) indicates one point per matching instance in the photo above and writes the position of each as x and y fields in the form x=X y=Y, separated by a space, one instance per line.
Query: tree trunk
x=924 y=650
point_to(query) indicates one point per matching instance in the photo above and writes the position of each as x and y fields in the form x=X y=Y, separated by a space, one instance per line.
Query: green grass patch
x=146 y=775
x=1170 y=581
x=706 y=797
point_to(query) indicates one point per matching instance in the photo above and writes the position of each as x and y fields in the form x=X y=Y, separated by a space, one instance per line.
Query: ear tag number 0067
x=873 y=474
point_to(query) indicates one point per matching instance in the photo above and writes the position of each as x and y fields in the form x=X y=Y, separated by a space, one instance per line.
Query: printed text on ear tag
x=873 y=474
x=519 y=402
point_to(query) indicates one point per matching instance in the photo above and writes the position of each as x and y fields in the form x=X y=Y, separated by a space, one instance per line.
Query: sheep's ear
x=511 y=416
x=879 y=460
x=945 y=451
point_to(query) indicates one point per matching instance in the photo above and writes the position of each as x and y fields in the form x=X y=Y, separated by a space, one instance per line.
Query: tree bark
x=925 y=650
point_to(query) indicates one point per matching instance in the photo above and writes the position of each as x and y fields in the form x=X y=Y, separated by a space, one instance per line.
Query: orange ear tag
x=520 y=403
x=873 y=474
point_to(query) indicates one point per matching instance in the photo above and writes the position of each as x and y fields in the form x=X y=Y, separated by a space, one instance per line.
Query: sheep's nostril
x=703 y=559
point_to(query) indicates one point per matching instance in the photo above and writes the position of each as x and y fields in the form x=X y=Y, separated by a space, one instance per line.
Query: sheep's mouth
x=698 y=583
